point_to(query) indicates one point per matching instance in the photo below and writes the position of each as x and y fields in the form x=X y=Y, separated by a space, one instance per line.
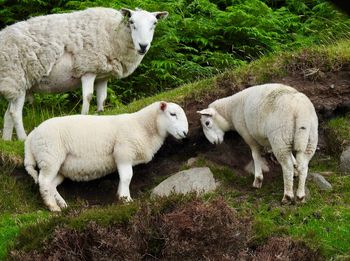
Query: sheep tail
x=302 y=132
x=29 y=161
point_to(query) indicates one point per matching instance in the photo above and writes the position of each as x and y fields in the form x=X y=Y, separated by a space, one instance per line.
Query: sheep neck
x=148 y=119
x=224 y=109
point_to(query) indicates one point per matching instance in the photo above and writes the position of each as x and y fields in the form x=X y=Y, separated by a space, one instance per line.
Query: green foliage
x=338 y=130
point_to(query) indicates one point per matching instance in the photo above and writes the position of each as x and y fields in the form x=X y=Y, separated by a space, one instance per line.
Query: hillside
x=97 y=226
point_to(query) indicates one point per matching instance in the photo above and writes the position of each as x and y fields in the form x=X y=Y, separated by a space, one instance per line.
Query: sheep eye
x=207 y=123
x=173 y=114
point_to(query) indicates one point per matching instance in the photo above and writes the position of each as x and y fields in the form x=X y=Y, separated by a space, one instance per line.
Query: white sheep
x=60 y=52
x=87 y=147
x=269 y=115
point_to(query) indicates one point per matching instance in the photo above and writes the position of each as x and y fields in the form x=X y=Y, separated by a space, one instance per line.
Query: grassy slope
x=323 y=221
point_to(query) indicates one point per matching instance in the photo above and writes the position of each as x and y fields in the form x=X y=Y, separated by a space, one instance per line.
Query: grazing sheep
x=87 y=147
x=270 y=115
x=60 y=52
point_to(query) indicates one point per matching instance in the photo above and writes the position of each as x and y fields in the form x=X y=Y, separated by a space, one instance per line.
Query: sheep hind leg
x=101 y=94
x=47 y=190
x=8 y=125
x=303 y=162
x=87 y=82
x=59 y=200
x=258 y=162
x=288 y=170
x=16 y=110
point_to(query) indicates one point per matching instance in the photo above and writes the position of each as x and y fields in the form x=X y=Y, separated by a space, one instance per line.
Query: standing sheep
x=87 y=147
x=60 y=52
x=270 y=115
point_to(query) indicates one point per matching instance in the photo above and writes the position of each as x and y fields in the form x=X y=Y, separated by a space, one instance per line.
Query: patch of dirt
x=330 y=93
x=194 y=230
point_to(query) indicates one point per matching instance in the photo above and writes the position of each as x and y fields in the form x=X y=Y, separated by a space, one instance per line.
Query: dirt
x=330 y=94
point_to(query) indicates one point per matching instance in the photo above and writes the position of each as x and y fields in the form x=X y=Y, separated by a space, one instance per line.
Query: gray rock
x=345 y=161
x=191 y=161
x=320 y=181
x=198 y=180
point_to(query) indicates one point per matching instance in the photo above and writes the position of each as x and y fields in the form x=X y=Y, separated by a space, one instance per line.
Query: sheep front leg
x=258 y=176
x=8 y=125
x=16 y=109
x=87 y=82
x=101 y=94
x=125 y=175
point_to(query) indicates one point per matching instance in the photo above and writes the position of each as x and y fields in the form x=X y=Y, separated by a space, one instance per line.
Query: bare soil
x=330 y=94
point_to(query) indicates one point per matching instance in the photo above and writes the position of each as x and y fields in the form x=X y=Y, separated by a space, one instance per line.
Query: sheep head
x=214 y=125
x=172 y=120
x=142 y=25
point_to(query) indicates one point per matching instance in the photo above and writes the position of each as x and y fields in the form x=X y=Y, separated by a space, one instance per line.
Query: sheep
x=59 y=52
x=87 y=147
x=275 y=116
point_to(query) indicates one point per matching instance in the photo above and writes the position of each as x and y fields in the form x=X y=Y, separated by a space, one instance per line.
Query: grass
x=323 y=222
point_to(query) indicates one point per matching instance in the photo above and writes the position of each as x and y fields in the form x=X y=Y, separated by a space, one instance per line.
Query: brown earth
x=330 y=94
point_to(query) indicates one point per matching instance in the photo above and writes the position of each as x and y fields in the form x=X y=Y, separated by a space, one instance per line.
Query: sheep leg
x=286 y=162
x=303 y=162
x=8 y=125
x=59 y=200
x=87 y=82
x=47 y=189
x=16 y=109
x=101 y=94
x=258 y=162
x=125 y=175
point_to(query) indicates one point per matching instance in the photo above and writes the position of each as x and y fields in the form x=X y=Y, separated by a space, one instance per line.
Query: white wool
x=86 y=147
x=269 y=115
x=53 y=53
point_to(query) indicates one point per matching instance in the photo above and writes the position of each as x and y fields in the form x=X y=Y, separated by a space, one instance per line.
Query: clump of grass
x=338 y=134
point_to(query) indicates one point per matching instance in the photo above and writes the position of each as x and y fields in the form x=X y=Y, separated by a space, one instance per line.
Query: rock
x=198 y=180
x=307 y=194
x=191 y=161
x=320 y=181
x=345 y=161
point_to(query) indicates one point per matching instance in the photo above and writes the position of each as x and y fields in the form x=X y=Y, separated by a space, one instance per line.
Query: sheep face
x=142 y=25
x=210 y=125
x=173 y=120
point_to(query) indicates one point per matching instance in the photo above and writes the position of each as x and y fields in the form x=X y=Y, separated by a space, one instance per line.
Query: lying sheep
x=59 y=52
x=269 y=115
x=86 y=147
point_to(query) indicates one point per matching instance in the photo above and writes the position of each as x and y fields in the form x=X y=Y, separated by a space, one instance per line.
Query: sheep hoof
x=126 y=199
x=257 y=183
x=301 y=199
x=287 y=200
x=55 y=208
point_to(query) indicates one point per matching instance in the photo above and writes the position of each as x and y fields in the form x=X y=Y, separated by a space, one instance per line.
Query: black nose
x=143 y=48
x=185 y=133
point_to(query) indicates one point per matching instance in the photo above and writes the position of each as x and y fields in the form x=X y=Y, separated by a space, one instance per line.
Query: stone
x=345 y=161
x=320 y=181
x=191 y=161
x=200 y=180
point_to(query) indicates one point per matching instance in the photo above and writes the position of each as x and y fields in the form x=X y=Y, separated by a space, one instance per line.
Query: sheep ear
x=163 y=106
x=160 y=15
x=126 y=12
x=207 y=112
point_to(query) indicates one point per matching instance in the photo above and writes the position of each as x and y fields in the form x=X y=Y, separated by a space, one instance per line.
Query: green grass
x=11 y=224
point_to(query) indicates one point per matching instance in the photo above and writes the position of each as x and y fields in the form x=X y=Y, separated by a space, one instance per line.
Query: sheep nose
x=143 y=48
x=185 y=133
